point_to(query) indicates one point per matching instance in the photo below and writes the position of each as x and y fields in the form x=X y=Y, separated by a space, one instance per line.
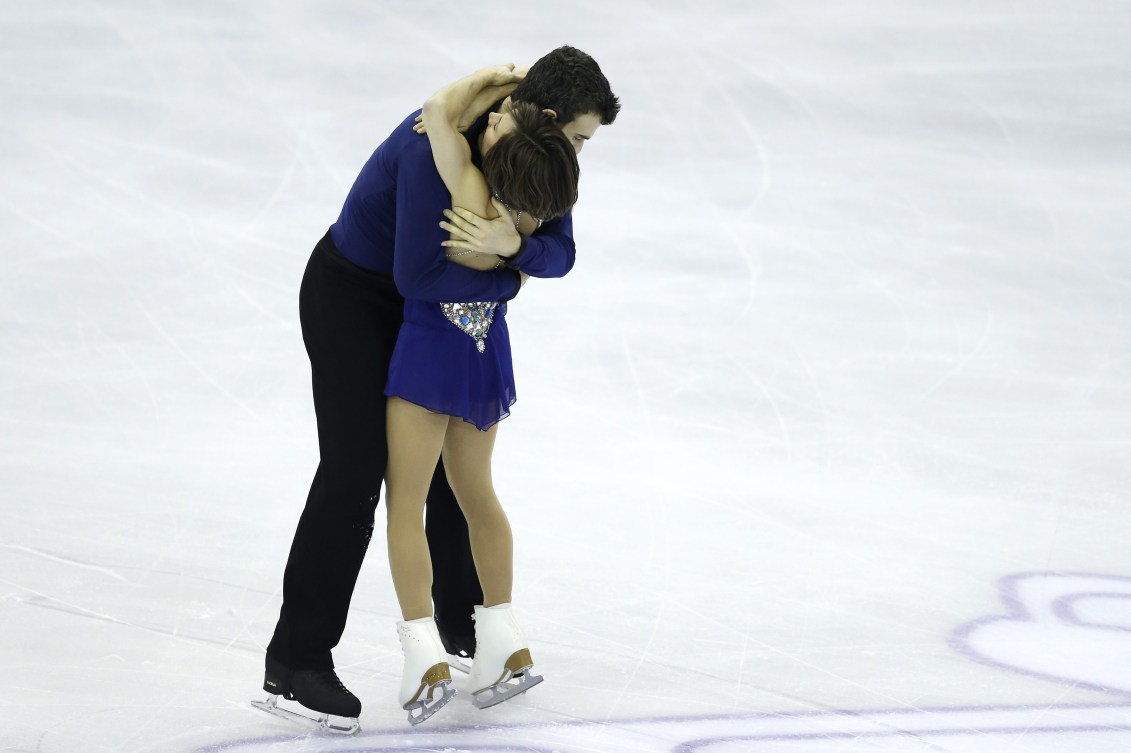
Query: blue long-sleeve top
x=390 y=224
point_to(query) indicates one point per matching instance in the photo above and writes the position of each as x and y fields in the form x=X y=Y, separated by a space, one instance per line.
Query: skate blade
x=493 y=695
x=337 y=725
x=422 y=710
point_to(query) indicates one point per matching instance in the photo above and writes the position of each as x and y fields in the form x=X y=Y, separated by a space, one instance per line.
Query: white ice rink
x=823 y=447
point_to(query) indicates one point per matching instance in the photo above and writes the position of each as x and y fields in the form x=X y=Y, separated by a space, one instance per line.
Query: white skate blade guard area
x=821 y=446
x=459 y=663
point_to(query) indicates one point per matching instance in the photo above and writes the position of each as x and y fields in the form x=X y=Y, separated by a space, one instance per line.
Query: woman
x=450 y=383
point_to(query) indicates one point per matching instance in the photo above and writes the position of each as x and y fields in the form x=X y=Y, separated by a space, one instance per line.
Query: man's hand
x=474 y=233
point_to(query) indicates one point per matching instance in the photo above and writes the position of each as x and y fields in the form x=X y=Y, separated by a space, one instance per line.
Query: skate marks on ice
x=1056 y=729
x=1066 y=627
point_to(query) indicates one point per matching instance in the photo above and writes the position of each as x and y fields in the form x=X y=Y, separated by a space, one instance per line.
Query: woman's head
x=529 y=163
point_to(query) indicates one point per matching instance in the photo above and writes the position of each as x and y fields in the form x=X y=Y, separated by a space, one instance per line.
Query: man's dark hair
x=570 y=83
x=533 y=168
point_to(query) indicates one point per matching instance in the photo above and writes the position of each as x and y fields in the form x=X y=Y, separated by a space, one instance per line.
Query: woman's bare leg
x=467 y=458
x=416 y=438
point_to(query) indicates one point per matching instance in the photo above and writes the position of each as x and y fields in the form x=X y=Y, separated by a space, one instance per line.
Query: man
x=388 y=243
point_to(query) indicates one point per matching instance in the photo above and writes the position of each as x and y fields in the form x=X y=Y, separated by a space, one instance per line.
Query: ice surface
x=823 y=446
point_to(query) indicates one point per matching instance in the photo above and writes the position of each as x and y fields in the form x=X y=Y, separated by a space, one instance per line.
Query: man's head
x=570 y=83
x=528 y=161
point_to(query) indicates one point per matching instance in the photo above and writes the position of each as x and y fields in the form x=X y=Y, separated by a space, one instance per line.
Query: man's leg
x=349 y=324
x=455 y=582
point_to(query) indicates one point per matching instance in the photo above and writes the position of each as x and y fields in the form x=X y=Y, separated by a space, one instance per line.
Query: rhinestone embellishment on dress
x=473 y=318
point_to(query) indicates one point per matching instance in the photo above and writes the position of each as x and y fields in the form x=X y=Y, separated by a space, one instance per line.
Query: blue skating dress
x=454 y=358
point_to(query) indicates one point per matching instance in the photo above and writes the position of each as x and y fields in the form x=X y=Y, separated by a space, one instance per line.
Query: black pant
x=350 y=318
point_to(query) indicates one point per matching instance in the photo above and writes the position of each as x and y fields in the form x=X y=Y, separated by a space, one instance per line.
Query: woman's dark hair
x=569 y=82
x=533 y=168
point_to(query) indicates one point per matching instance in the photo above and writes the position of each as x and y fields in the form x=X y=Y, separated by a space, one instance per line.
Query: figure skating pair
x=447 y=387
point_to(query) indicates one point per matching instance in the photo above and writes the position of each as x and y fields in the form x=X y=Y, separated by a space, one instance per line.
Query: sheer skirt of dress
x=437 y=363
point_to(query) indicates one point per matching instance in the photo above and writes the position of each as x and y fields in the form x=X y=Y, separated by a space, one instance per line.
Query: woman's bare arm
x=480 y=104
x=452 y=154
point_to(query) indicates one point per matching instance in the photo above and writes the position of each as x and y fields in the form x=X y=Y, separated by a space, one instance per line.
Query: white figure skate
x=501 y=669
x=426 y=682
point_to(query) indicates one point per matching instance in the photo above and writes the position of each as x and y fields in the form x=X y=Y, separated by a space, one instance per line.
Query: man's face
x=581 y=129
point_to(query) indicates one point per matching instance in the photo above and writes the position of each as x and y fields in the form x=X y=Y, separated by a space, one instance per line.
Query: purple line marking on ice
x=661 y=720
x=1065 y=609
x=1016 y=611
x=753 y=715
x=695 y=745
x=228 y=744
x=440 y=747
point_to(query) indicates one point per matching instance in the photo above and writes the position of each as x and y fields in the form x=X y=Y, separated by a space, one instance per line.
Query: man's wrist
x=512 y=261
x=518 y=284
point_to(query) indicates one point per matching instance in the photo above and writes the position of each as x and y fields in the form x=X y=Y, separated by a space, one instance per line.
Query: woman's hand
x=489 y=85
x=475 y=233
x=501 y=75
